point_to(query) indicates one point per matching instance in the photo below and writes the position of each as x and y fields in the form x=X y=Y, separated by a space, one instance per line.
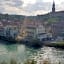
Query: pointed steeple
x=53 y=7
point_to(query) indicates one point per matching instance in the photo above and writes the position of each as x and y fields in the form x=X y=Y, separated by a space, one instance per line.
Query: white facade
x=42 y=36
x=11 y=31
x=41 y=32
x=28 y=32
x=40 y=29
x=33 y=31
x=1 y=31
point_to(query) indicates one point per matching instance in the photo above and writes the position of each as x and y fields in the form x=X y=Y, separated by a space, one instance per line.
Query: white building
x=11 y=31
x=1 y=31
x=28 y=32
x=40 y=29
x=42 y=36
x=41 y=33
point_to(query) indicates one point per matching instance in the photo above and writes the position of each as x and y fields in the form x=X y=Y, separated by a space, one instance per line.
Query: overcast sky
x=29 y=7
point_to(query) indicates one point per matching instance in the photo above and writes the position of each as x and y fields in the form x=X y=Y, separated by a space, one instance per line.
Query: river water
x=21 y=53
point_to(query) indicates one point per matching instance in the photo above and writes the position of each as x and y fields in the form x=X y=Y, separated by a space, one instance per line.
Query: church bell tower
x=53 y=7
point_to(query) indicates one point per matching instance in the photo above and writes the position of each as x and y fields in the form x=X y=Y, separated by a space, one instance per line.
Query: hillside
x=11 y=17
x=50 y=16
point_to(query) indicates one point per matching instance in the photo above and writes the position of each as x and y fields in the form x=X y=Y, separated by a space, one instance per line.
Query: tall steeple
x=53 y=7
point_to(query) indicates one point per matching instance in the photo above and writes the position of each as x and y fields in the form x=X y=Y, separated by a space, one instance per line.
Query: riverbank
x=55 y=44
x=33 y=43
x=8 y=40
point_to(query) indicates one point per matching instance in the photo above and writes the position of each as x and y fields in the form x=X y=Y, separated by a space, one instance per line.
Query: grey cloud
x=39 y=6
x=9 y=3
x=2 y=10
x=60 y=7
x=15 y=3
x=62 y=3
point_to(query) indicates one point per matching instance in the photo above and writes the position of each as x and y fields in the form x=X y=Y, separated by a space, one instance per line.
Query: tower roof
x=53 y=7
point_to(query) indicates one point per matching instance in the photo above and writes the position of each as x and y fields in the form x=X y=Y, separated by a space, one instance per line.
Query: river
x=21 y=53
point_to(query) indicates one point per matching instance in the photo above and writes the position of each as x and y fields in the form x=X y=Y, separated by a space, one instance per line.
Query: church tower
x=53 y=7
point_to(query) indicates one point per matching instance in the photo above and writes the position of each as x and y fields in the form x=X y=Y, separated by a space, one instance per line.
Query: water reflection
x=21 y=53
x=11 y=48
x=50 y=54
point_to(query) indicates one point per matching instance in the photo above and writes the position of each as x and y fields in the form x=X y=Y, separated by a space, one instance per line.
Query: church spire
x=53 y=7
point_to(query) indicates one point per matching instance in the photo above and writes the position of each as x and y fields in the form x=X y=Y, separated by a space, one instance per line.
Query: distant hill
x=57 y=16
x=11 y=17
x=50 y=17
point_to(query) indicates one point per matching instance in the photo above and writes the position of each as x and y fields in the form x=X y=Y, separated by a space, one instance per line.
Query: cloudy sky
x=29 y=7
